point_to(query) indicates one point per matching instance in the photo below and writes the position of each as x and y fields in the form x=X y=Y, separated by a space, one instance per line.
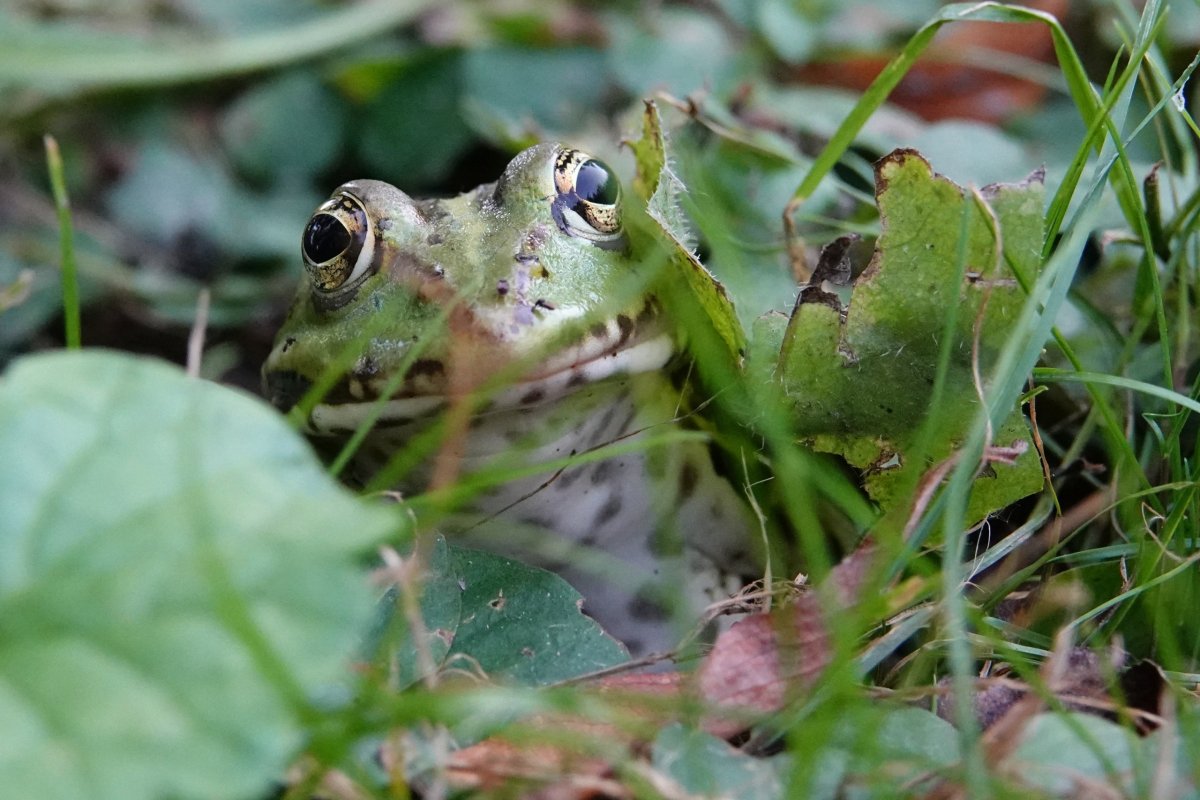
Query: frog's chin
x=647 y=355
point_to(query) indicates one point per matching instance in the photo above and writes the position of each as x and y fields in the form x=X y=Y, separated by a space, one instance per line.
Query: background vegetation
x=197 y=137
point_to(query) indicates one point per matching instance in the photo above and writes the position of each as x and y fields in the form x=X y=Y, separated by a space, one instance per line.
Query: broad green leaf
x=675 y=50
x=524 y=624
x=1059 y=751
x=286 y=129
x=867 y=385
x=542 y=88
x=870 y=750
x=172 y=194
x=179 y=580
x=416 y=149
x=660 y=188
x=55 y=56
x=709 y=767
x=515 y=622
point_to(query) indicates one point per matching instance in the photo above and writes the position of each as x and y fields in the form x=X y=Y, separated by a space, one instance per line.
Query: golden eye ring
x=587 y=199
x=338 y=244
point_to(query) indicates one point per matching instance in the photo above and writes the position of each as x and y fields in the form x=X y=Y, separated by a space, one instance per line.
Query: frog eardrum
x=338 y=244
x=588 y=198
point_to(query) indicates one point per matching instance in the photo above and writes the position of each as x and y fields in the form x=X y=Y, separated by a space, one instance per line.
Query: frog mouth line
x=620 y=359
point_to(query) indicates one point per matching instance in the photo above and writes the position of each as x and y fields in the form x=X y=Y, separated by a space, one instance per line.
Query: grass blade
x=66 y=238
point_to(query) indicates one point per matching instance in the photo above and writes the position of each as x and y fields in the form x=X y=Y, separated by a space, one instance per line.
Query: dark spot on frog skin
x=366 y=367
x=602 y=472
x=543 y=303
x=649 y=311
x=687 y=480
x=433 y=211
x=568 y=478
x=434 y=238
x=502 y=287
x=535 y=521
x=628 y=420
x=576 y=380
x=626 y=326
x=426 y=366
x=535 y=239
x=598 y=331
x=287 y=344
x=533 y=396
x=611 y=507
x=601 y=430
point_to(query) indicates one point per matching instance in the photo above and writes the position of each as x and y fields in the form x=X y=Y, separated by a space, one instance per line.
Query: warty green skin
x=489 y=284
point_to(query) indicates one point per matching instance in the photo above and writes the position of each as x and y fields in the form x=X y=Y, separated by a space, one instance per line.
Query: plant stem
x=66 y=239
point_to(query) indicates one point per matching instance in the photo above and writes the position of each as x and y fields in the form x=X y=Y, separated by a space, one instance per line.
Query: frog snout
x=285 y=388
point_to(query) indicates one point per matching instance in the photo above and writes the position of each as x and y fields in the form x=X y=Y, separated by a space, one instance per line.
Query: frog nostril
x=325 y=238
x=285 y=388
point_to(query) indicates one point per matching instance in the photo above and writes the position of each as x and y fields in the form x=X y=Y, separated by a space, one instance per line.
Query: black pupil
x=325 y=238
x=594 y=184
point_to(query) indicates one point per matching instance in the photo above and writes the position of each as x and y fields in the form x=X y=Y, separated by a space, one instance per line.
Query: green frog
x=523 y=305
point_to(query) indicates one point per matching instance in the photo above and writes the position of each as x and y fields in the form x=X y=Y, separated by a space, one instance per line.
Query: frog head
x=410 y=301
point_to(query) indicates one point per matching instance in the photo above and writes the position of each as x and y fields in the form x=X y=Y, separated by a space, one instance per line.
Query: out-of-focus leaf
x=412 y=131
x=288 y=128
x=707 y=766
x=678 y=50
x=179 y=579
x=170 y=194
x=32 y=298
x=554 y=89
x=1058 y=751
x=790 y=31
x=55 y=56
x=960 y=146
x=240 y=16
x=862 y=386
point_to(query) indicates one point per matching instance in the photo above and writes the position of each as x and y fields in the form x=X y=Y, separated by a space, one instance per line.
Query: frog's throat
x=643 y=356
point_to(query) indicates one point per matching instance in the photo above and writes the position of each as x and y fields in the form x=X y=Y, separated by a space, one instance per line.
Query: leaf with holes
x=942 y=289
x=524 y=624
x=515 y=622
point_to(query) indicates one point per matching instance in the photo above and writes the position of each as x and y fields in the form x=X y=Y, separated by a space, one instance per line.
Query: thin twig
x=195 y=347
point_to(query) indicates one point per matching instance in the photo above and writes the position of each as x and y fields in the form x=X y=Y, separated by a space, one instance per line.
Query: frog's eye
x=338 y=243
x=588 y=199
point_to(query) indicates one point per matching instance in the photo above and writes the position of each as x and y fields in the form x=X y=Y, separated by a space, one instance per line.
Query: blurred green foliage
x=198 y=135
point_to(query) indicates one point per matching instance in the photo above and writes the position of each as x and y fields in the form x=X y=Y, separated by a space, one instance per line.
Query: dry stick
x=977 y=326
x=195 y=345
x=406 y=574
